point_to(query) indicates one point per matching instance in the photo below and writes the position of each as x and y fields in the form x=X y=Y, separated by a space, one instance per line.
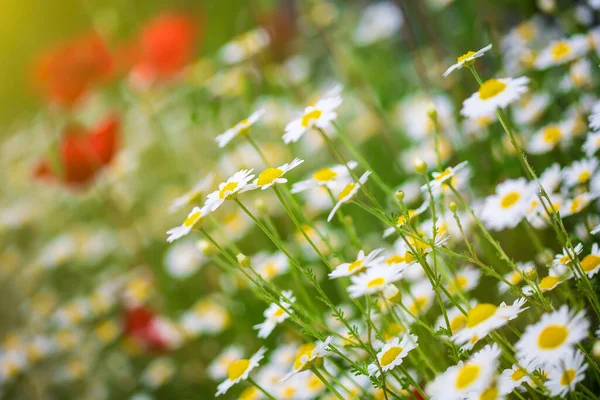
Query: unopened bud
x=420 y=166
x=399 y=195
x=205 y=247
x=530 y=272
x=432 y=112
x=260 y=206
x=243 y=260
x=596 y=349
x=452 y=206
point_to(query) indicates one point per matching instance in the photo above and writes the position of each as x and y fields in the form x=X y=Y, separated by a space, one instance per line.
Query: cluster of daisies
x=347 y=242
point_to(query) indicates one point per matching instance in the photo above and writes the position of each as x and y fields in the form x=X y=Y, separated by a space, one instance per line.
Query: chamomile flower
x=348 y=192
x=196 y=193
x=276 y=314
x=183 y=259
x=270 y=266
x=531 y=108
x=420 y=297
x=551 y=178
x=512 y=378
x=193 y=218
x=484 y=318
x=320 y=116
x=465 y=280
x=228 y=189
x=457 y=320
x=580 y=172
x=238 y=129
x=329 y=177
x=377 y=22
x=563 y=260
x=439 y=178
x=494 y=94
x=565 y=374
x=550 y=137
x=374 y=280
x=402 y=219
x=591 y=144
x=576 y=204
x=272 y=176
x=474 y=375
x=308 y=354
x=507 y=207
x=553 y=337
x=515 y=277
x=562 y=51
x=467 y=59
x=361 y=263
x=591 y=263
x=240 y=370
x=392 y=354
x=218 y=367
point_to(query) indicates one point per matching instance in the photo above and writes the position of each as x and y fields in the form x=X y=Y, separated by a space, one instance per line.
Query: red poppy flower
x=166 y=46
x=67 y=72
x=82 y=154
x=140 y=323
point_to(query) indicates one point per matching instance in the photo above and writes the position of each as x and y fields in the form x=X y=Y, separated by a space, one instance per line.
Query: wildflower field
x=308 y=199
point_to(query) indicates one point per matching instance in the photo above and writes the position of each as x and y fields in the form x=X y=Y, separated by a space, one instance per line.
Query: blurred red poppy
x=67 y=72
x=166 y=45
x=82 y=154
x=140 y=323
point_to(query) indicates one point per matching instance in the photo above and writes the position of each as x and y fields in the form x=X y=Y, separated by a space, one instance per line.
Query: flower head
x=193 y=218
x=494 y=94
x=467 y=59
x=228 y=189
x=239 y=371
x=348 y=192
x=239 y=129
x=320 y=116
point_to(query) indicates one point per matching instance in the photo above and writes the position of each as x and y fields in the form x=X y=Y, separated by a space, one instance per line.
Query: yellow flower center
x=467 y=375
x=309 y=116
x=315 y=383
x=390 y=355
x=567 y=377
x=355 y=266
x=584 y=176
x=443 y=175
x=268 y=176
x=375 y=283
x=490 y=393
x=480 y=313
x=549 y=282
x=458 y=323
x=249 y=393
x=324 y=175
x=270 y=269
x=289 y=392
x=552 y=337
x=395 y=259
x=509 y=200
x=483 y=121
x=552 y=134
x=231 y=186
x=460 y=283
x=491 y=88
x=560 y=50
x=304 y=354
x=518 y=374
x=346 y=191
x=237 y=369
x=516 y=278
x=192 y=219
x=468 y=54
x=575 y=205
x=590 y=262
x=526 y=31
x=418 y=304
x=278 y=313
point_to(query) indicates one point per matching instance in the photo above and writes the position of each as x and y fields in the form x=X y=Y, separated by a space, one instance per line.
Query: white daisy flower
x=553 y=337
x=275 y=314
x=565 y=374
x=440 y=177
x=402 y=218
x=228 y=189
x=193 y=218
x=507 y=207
x=218 y=367
x=457 y=319
x=531 y=108
x=238 y=129
x=319 y=116
x=562 y=51
x=562 y=261
x=494 y=94
x=307 y=354
x=330 y=177
x=348 y=192
x=551 y=178
x=270 y=266
x=580 y=172
x=591 y=263
x=272 y=176
x=420 y=297
x=591 y=144
x=374 y=280
x=378 y=21
x=183 y=259
x=474 y=375
x=466 y=59
x=514 y=377
x=239 y=371
x=515 y=277
x=392 y=354
x=196 y=193
x=576 y=204
x=465 y=280
x=550 y=137
x=361 y=263
x=484 y=318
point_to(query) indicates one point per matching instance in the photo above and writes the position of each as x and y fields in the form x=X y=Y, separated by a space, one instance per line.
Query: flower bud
x=432 y=112
x=243 y=260
x=530 y=273
x=420 y=166
x=399 y=195
x=452 y=206
x=205 y=247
